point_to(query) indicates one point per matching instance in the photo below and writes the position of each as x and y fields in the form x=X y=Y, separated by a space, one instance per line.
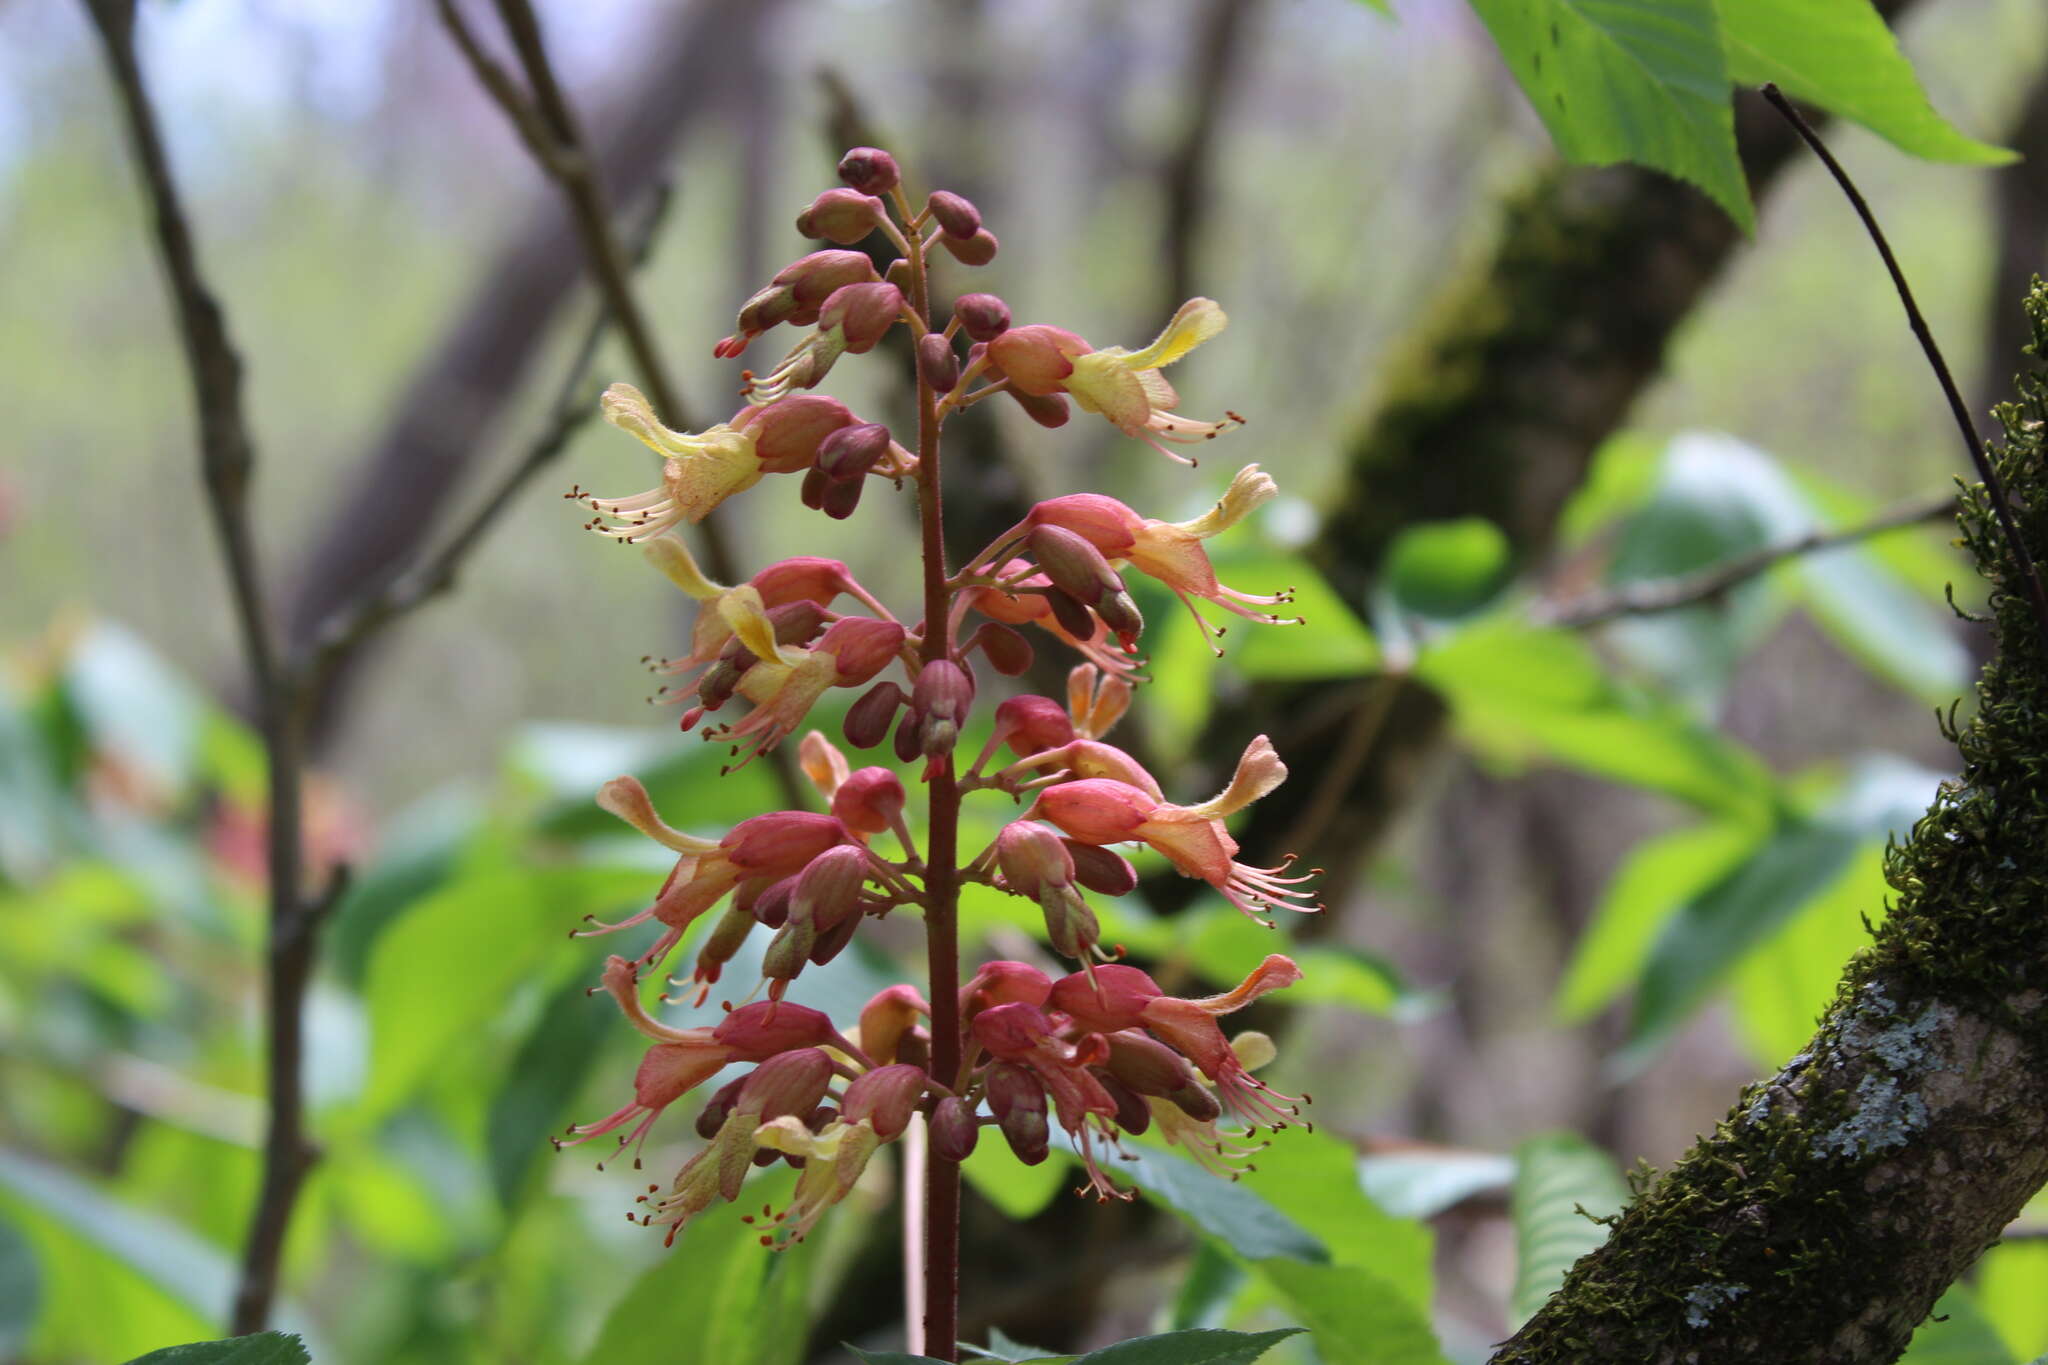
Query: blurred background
x=1588 y=877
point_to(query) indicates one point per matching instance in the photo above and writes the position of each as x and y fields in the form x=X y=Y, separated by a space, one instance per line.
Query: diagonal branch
x=350 y=627
x=1704 y=585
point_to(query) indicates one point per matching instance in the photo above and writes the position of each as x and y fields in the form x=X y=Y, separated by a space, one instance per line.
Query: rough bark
x=1837 y=1200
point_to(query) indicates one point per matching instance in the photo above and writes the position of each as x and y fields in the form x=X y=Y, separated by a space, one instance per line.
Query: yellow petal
x=673 y=558
x=1196 y=322
x=745 y=612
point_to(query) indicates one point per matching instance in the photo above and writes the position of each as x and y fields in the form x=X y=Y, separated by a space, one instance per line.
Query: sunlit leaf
x=1956 y=1333
x=1784 y=985
x=1423 y=1182
x=1313 y=1179
x=2008 y=1289
x=1334 y=643
x=1354 y=1316
x=1556 y=1177
x=1839 y=55
x=261 y=1348
x=1628 y=80
x=1019 y=1191
x=1442 y=570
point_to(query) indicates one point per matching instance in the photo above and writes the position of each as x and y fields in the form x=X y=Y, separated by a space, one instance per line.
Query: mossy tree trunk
x=1829 y=1210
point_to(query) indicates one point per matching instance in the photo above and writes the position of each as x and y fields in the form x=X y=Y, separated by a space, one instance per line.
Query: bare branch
x=227 y=462
x=346 y=630
x=1704 y=585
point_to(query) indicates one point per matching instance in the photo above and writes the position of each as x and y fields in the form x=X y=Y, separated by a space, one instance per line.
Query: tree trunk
x=1837 y=1200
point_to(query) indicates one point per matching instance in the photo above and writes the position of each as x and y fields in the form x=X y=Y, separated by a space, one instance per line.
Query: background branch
x=1704 y=585
x=227 y=461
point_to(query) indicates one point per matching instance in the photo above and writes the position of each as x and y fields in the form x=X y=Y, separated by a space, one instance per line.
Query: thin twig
x=1993 y=486
x=572 y=406
x=227 y=457
x=1715 y=580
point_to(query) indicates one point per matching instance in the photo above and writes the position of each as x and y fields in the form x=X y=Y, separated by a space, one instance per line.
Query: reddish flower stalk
x=1102 y=1053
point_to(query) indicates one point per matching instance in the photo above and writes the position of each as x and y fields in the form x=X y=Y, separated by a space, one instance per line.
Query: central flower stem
x=942 y=862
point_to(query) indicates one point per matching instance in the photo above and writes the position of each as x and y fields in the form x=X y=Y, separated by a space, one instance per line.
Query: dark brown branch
x=1188 y=172
x=2022 y=558
x=573 y=405
x=227 y=462
x=1705 y=585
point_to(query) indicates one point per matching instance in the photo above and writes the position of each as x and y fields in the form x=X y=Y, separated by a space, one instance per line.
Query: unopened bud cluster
x=1097 y=1051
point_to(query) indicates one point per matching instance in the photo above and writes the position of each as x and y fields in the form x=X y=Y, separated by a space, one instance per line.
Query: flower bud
x=850 y=452
x=1004 y=983
x=886 y=1098
x=770 y=909
x=1048 y=410
x=869 y=800
x=1070 y=926
x=759 y=1031
x=813 y=279
x=941 y=699
x=766 y=308
x=1102 y=870
x=983 y=317
x=723 y=941
x=870 y=170
x=954 y=1129
x=1033 y=858
x=828 y=890
x=861 y=647
x=1031 y=724
x=862 y=314
x=898 y=274
x=832 y=942
x=719 y=1108
x=955 y=216
x=842 y=216
x=1133 y=1115
x=836 y=500
x=790 y=1083
x=1119 y=611
x=937 y=363
x=1112 y=998
x=788 y=953
x=867 y=720
x=979 y=249
x=1148 y=1066
x=796 y=623
x=1072 y=617
x=1073 y=564
x=785 y=839
x=788 y=432
x=1018 y=1102
x=908 y=745
x=887 y=1019
x=1006 y=650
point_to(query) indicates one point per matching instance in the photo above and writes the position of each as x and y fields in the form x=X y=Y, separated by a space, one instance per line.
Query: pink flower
x=1124 y=386
x=1193 y=838
x=1022 y=601
x=1124 y=998
x=1025 y=1036
x=1169 y=551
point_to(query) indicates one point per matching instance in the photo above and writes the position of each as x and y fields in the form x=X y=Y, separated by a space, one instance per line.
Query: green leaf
x=1659 y=876
x=1628 y=80
x=1355 y=1316
x=1000 y=1347
x=1520 y=692
x=1334 y=643
x=1784 y=985
x=1423 y=1183
x=1313 y=1179
x=1839 y=55
x=1200 y=1346
x=443 y=971
x=261 y=1348
x=891 y=1357
x=1555 y=1176
x=1956 y=1333
x=21 y=1288
x=1227 y=1210
x=132 y=705
x=1206 y=1288
x=706 y=1295
x=545 y=1075
x=421 y=849
x=1019 y=1191
x=1442 y=570
x=2008 y=1288
x=1882 y=622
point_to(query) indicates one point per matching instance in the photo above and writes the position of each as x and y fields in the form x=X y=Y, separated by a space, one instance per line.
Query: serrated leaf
x=1555 y=1176
x=260 y=1348
x=21 y=1288
x=1839 y=55
x=1198 y=1346
x=1628 y=80
x=1354 y=1316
